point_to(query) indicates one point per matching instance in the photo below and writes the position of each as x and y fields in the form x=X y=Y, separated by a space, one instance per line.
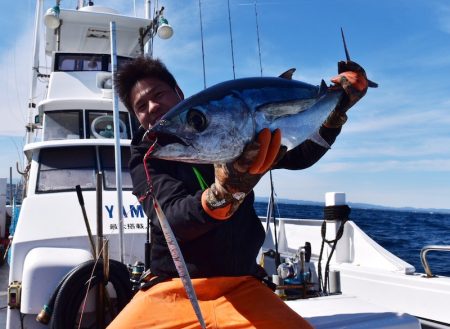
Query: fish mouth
x=164 y=139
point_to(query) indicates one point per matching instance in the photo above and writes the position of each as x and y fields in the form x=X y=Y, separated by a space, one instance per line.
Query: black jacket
x=210 y=247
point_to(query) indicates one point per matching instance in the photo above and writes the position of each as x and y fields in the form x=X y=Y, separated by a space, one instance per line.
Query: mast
x=149 y=45
x=34 y=71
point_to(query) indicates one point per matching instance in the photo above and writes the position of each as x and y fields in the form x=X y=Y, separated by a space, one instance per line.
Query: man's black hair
x=140 y=68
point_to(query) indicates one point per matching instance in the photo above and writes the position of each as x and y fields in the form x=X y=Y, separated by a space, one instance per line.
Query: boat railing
x=423 y=257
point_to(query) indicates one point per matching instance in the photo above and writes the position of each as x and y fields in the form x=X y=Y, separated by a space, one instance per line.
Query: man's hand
x=233 y=181
x=352 y=78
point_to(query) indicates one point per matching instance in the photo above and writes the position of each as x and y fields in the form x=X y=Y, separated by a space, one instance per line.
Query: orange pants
x=226 y=302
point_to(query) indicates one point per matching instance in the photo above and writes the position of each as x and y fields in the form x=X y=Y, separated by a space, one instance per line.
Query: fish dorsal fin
x=288 y=74
x=323 y=88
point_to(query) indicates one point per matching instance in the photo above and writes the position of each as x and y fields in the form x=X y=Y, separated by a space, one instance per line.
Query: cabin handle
x=423 y=257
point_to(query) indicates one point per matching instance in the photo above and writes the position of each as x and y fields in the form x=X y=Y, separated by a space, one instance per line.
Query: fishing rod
x=178 y=260
x=172 y=244
x=347 y=56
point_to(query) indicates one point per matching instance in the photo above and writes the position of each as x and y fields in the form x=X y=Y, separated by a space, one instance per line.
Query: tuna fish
x=214 y=125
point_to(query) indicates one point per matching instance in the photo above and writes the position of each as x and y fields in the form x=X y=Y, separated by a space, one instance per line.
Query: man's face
x=152 y=98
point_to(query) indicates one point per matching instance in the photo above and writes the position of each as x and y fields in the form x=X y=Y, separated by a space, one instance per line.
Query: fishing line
x=83 y=306
x=257 y=36
x=172 y=243
x=231 y=40
x=203 y=47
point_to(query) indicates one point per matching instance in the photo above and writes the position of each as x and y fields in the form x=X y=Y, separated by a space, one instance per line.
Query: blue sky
x=394 y=149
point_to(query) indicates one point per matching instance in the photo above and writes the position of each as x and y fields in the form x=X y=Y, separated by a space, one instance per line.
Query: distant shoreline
x=356 y=205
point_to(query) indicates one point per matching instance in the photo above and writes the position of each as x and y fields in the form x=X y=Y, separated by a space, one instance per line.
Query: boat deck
x=345 y=311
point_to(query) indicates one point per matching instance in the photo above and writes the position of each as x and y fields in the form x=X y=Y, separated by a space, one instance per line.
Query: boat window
x=86 y=62
x=120 y=62
x=107 y=162
x=61 y=169
x=63 y=125
x=79 y=62
x=100 y=124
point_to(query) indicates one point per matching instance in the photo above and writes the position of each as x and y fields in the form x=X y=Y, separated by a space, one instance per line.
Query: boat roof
x=30 y=147
x=88 y=31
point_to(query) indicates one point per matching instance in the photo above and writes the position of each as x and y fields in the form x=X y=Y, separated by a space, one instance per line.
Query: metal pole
x=117 y=151
x=34 y=69
x=11 y=189
x=148 y=49
x=99 y=202
x=101 y=288
x=86 y=220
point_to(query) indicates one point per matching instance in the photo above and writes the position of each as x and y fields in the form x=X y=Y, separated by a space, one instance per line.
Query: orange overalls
x=225 y=302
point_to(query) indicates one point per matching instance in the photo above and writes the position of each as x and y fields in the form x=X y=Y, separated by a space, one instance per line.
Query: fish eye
x=197 y=120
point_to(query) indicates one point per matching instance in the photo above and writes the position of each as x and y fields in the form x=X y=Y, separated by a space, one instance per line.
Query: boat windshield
x=107 y=163
x=68 y=124
x=100 y=124
x=63 y=168
x=63 y=125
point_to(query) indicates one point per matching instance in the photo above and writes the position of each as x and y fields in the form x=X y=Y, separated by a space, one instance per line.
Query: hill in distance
x=356 y=205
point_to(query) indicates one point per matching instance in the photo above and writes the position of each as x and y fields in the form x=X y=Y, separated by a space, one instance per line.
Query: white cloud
x=443 y=17
x=426 y=165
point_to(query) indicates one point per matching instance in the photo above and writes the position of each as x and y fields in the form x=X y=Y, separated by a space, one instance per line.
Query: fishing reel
x=136 y=272
x=298 y=273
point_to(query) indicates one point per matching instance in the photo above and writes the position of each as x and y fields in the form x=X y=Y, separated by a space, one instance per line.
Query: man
x=210 y=210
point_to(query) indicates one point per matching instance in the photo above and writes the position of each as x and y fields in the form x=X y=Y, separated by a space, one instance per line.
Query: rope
x=231 y=40
x=257 y=35
x=203 y=48
x=331 y=213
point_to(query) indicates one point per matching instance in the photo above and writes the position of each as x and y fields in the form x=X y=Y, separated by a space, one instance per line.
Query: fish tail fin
x=316 y=138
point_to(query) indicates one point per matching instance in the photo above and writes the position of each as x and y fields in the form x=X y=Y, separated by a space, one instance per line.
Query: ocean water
x=403 y=233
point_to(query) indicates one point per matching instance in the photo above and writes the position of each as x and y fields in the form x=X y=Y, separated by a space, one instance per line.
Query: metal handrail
x=423 y=255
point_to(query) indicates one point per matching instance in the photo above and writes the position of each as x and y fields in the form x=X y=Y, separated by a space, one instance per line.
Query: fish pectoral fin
x=288 y=74
x=316 y=138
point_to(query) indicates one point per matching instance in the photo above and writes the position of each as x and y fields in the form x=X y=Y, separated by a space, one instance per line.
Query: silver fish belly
x=214 y=125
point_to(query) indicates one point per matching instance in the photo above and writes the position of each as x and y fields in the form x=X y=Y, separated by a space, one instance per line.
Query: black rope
x=331 y=213
x=327 y=266
x=319 y=264
x=336 y=212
